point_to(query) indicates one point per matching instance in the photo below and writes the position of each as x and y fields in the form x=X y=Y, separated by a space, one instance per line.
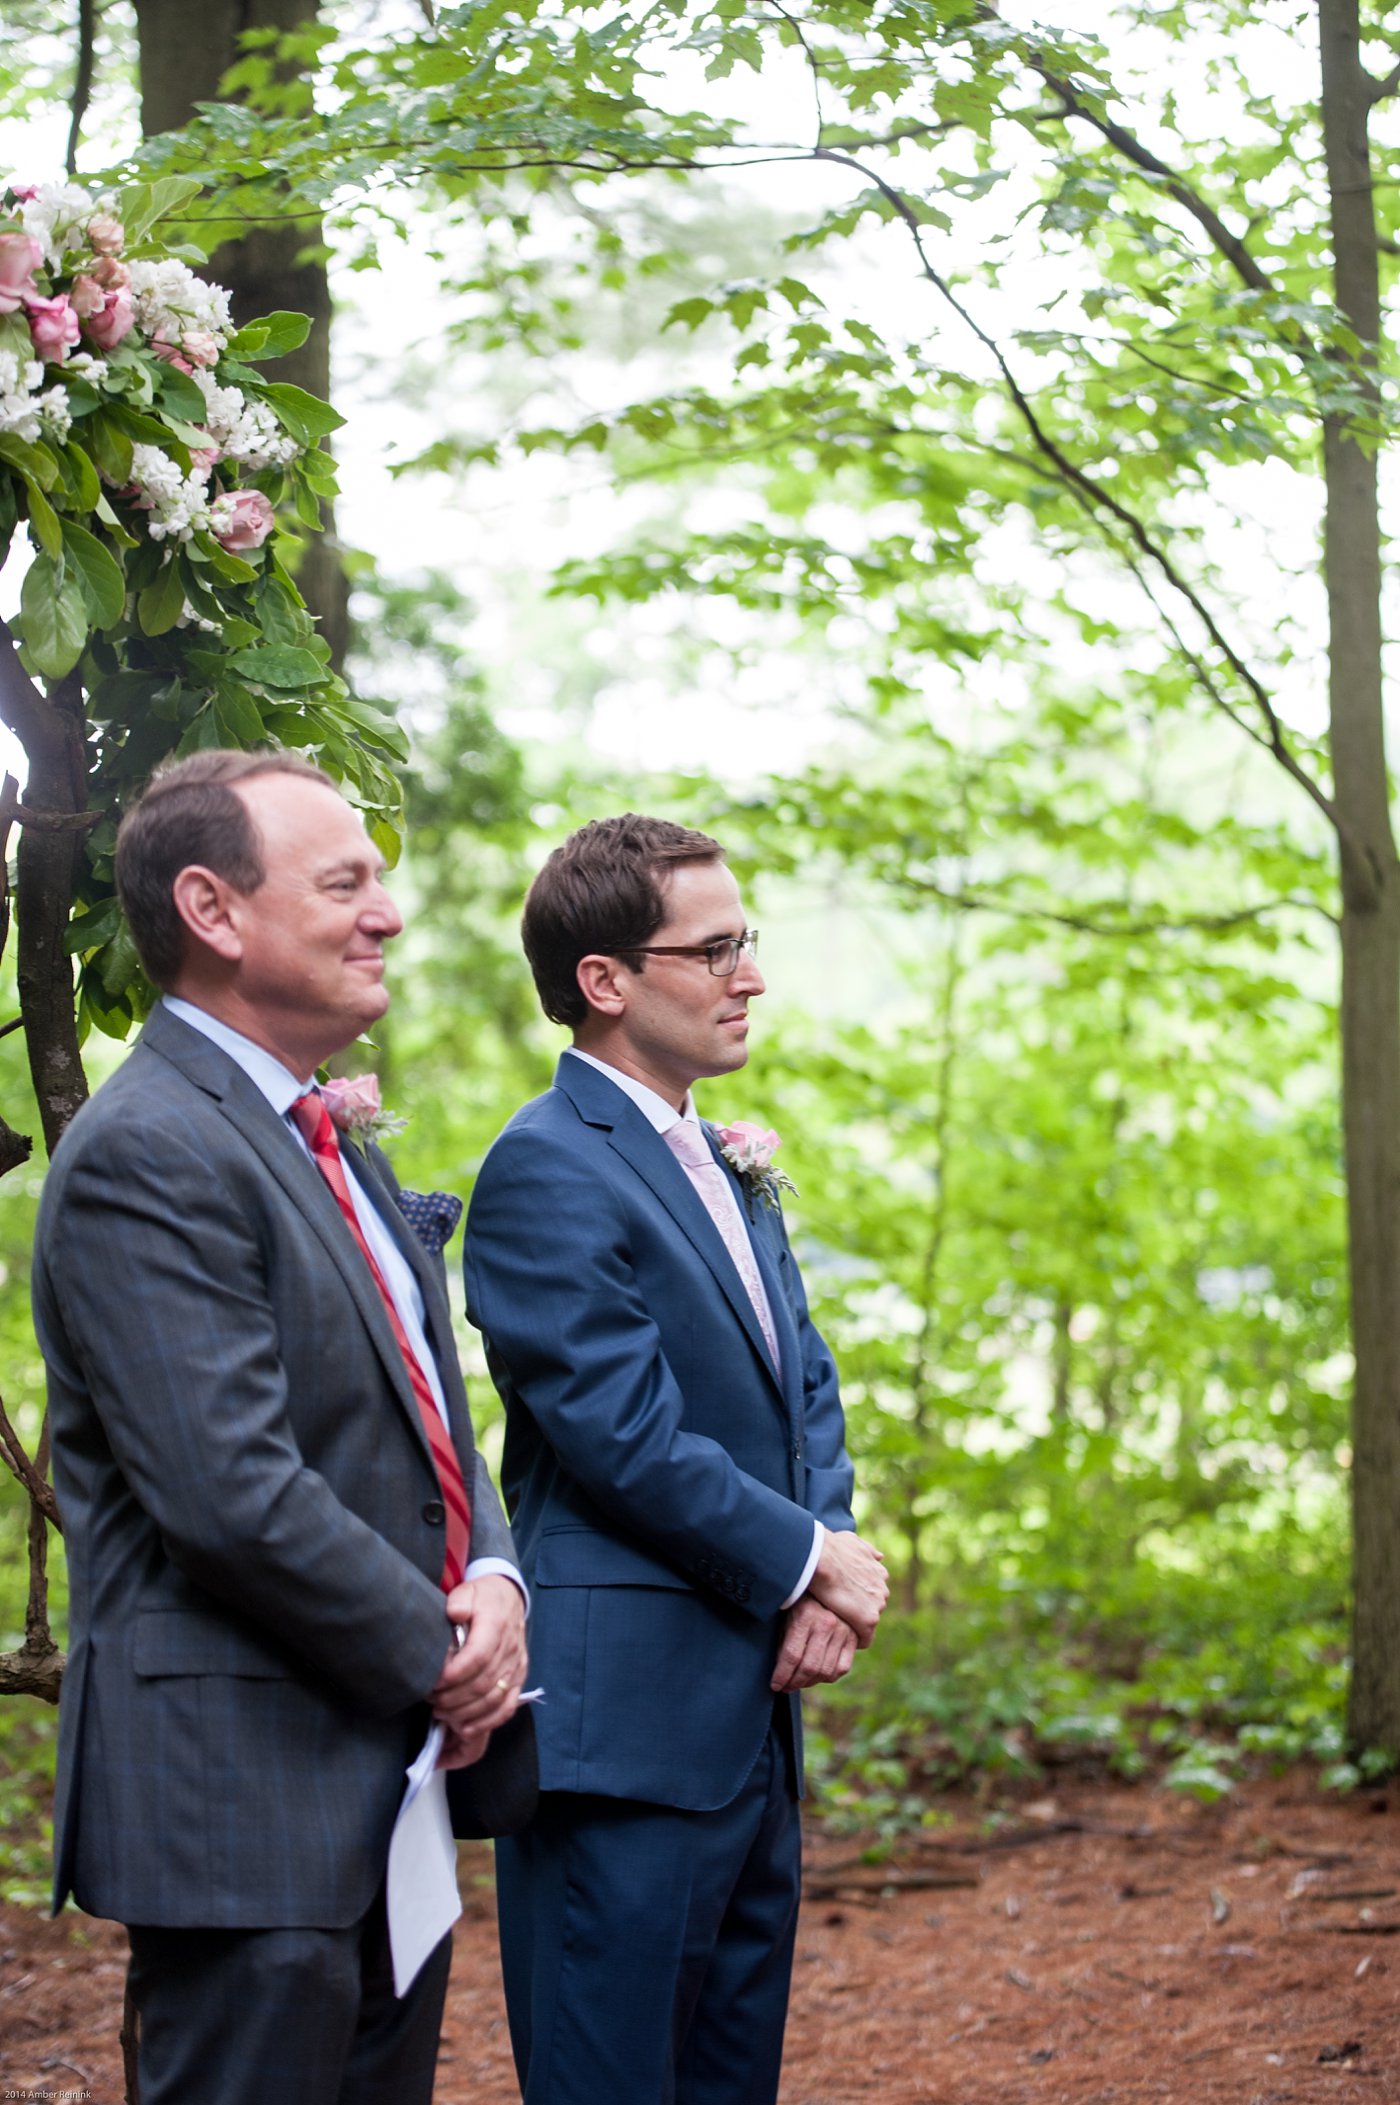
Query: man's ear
x=205 y=903
x=602 y=984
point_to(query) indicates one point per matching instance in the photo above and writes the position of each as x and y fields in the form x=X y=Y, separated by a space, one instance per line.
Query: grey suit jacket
x=250 y=1508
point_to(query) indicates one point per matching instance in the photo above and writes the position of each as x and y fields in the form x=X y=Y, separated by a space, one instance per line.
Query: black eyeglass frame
x=737 y=946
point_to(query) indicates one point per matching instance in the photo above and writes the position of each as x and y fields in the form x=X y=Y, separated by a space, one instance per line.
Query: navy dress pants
x=647 y=1951
x=284 y=2017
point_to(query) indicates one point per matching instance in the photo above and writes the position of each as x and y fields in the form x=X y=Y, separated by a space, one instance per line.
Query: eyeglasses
x=721 y=957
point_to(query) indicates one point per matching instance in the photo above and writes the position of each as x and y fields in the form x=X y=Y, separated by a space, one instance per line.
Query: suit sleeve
x=563 y=1312
x=180 y=1354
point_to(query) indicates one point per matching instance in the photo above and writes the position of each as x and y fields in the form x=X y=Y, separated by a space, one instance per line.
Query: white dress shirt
x=282 y=1088
x=662 y=1116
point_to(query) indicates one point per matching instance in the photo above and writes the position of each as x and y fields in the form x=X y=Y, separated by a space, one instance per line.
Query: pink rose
x=241 y=521
x=201 y=347
x=87 y=296
x=53 y=324
x=105 y=234
x=204 y=458
x=24 y=191
x=110 y=273
x=20 y=254
x=114 y=322
x=353 y=1102
x=170 y=354
x=747 y=1146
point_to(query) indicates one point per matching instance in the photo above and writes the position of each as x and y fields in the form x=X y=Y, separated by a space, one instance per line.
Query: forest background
x=899 y=439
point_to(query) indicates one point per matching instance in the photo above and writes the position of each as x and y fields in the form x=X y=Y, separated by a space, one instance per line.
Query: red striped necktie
x=313 y=1122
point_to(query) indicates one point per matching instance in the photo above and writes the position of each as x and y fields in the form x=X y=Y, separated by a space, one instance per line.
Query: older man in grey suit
x=284 y=1552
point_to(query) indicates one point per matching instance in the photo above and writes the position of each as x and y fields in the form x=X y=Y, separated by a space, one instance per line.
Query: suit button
x=796 y=1453
x=435 y=1513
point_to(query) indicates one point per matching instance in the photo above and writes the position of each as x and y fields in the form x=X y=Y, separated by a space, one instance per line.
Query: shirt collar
x=653 y=1108
x=276 y=1082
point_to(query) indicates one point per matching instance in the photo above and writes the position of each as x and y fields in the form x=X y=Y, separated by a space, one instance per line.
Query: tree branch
x=1132 y=149
x=1089 y=923
x=82 y=80
x=13 y=812
x=1101 y=499
x=1379 y=90
x=23 y=708
x=28 y=1473
x=36 y=1669
x=813 y=66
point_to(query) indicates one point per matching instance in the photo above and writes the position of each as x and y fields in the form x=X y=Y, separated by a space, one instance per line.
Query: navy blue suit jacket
x=661 y=1475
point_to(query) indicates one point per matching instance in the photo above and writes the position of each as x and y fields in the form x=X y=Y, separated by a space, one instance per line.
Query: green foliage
x=147 y=478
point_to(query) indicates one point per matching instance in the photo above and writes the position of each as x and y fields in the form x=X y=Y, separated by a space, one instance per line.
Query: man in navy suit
x=256 y=1499
x=680 y=1495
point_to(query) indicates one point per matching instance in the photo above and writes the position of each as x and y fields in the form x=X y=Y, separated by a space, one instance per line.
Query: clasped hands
x=479 y=1686
x=836 y=1617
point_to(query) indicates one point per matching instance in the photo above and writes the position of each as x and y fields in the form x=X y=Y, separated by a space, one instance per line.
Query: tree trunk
x=262 y=269
x=46 y=871
x=1370 y=886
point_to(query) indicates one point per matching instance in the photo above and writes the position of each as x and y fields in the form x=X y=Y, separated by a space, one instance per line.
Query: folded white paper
x=422 y=1897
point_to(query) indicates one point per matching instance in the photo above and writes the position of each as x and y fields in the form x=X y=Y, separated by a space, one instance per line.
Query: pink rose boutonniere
x=355 y=1108
x=749 y=1151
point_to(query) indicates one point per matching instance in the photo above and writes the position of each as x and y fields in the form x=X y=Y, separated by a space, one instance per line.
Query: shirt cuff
x=813 y=1559
x=488 y=1567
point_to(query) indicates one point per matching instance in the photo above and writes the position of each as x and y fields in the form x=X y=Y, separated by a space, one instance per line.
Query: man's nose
x=746 y=977
x=382 y=915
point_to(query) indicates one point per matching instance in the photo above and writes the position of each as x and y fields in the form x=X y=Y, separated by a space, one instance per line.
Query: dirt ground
x=1104 y=1944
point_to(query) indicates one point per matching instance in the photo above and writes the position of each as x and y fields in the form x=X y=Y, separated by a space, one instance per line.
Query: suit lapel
x=601 y=1103
x=276 y=1146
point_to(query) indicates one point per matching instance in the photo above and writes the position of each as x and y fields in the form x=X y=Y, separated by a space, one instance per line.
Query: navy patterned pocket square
x=432 y=1215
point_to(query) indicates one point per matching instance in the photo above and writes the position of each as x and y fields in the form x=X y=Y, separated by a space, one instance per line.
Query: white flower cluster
x=178 y=504
x=86 y=367
x=244 y=431
x=26 y=408
x=170 y=299
x=57 y=216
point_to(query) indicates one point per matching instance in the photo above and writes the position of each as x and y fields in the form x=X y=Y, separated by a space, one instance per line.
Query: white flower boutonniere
x=355 y=1108
x=749 y=1151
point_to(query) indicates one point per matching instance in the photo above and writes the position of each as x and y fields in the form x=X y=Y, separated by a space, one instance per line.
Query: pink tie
x=691 y=1149
x=313 y=1122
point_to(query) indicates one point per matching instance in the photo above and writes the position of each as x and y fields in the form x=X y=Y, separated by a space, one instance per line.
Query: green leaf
x=689 y=313
x=113 y=524
x=100 y=576
x=161 y=604
x=110 y=447
x=387 y=839
x=158 y=431
x=277 y=334
x=44 y=520
x=237 y=716
x=91 y=930
x=142 y=205
x=35 y=463
x=85 y=477
x=119 y=965
x=181 y=397
x=306 y=416
x=52 y=617
x=284 y=619
x=279 y=665
x=227 y=565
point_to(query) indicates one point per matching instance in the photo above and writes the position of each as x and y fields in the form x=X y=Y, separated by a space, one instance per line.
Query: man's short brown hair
x=188 y=813
x=603 y=890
